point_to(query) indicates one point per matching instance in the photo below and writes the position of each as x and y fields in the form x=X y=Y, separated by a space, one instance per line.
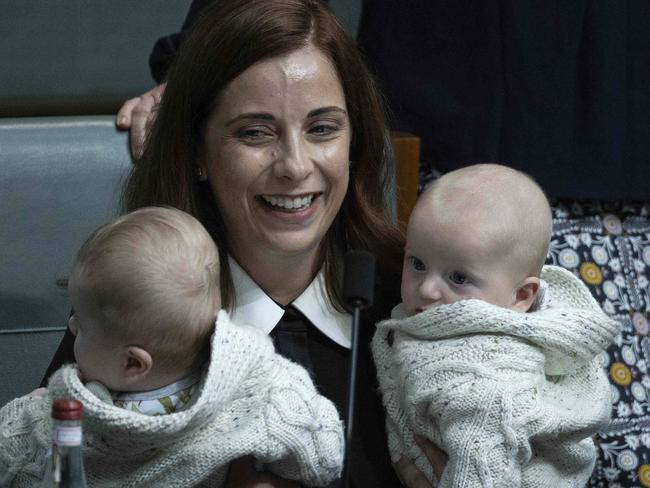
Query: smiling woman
x=277 y=157
x=271 y=99
x=266 y=105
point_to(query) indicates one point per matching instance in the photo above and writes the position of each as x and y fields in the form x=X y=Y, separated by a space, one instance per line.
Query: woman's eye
x=254 y=134
x=458 y=278
x=324 y=129
x=417 y=264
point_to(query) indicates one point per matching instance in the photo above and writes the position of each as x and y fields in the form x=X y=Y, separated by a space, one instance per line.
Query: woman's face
x=277 y=155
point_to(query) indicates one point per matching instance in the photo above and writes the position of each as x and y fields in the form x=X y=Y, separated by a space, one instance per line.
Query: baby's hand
x=38 y=393
x=243 y=474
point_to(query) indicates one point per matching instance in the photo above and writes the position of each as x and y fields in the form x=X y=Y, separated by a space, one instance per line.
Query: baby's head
x=478 y=232
x=145 y=294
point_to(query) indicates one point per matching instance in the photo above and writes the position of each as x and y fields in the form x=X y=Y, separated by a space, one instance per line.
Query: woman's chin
x=291 y=232
x=293 y=244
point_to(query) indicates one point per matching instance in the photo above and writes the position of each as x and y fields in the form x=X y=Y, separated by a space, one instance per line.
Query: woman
x=272 y=133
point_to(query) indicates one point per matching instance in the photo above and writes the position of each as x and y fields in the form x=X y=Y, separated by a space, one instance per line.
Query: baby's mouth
x=288 y=203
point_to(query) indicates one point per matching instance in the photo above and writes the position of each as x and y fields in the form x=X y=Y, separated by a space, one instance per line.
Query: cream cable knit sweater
x=512 y=398
x=251 y=402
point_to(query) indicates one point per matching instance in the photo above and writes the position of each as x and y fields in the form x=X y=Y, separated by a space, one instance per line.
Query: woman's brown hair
x=227 y=38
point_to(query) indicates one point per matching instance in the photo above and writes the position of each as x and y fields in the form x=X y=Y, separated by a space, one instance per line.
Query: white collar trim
x=255 y=308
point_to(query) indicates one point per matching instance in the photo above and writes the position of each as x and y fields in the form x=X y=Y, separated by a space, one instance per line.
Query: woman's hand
x=137 y=114
x=410 y=475
x=243 y=475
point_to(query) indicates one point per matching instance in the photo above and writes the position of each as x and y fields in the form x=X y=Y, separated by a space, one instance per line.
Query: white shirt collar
x=254 y=307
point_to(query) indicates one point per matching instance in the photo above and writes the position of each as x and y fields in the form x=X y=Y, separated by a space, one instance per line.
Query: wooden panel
x=407 y=170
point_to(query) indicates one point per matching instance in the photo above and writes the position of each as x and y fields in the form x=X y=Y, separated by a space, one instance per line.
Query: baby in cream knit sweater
x=492 y=355
x=145 y=295
x=169 y=397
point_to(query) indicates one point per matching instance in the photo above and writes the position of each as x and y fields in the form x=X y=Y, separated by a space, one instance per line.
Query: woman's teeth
x=288 y=203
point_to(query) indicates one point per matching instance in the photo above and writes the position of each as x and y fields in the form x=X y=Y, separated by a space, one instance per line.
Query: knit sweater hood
x=250 y=401
x=113 y=428
x=512 y=398
x=565 y=323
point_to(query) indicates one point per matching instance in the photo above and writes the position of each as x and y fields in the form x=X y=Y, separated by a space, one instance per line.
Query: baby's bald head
x=507 y=211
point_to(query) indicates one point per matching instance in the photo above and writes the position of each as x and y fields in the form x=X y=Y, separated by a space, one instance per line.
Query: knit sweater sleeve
x=465 y=420
x=305 y=432
x=483 y=446
x=401 y=442
x=23 y=446
x=480 y=409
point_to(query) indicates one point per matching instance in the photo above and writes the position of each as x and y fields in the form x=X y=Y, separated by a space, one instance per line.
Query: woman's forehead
x=305 y=75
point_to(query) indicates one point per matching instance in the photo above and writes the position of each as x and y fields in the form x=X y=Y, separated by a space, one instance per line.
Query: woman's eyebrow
x=322 y=110
x=252 y=115
x=267 y=116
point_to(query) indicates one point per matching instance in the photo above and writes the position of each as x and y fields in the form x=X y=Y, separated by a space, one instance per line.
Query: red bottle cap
x=64 y=409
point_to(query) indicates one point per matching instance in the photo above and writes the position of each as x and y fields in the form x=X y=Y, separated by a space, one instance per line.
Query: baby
x=169 y=397
x=145 y=295
x=492 y=356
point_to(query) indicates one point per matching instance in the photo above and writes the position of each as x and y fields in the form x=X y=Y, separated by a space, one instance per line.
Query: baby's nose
x=430 y=292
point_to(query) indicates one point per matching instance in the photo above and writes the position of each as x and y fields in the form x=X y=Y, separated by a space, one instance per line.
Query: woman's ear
x=201 y=173
x=525 y=294
x=137 y=364
x=200 y=167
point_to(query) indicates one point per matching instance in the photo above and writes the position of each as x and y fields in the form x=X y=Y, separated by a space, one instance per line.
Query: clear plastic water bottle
x=65 y=466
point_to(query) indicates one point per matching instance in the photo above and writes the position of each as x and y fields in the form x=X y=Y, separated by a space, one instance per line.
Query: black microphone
x=358 y=293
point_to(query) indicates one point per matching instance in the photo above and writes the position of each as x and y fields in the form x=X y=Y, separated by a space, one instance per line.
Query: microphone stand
x=358 y=291
x=352 y=384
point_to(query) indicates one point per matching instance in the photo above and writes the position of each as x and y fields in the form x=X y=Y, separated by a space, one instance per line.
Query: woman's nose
x=292 y=161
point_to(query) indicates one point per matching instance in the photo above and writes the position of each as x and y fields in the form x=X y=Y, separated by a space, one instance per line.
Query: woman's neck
x=283 y=278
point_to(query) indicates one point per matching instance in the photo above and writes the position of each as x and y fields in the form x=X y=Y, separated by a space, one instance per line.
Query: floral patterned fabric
x=608 y=247
x=171 y=398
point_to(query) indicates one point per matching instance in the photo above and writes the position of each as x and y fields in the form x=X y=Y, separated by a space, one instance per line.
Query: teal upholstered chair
x=59 y=180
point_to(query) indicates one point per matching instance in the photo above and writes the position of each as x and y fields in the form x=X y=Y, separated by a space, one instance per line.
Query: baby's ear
x=137 y=364
x=525 y=294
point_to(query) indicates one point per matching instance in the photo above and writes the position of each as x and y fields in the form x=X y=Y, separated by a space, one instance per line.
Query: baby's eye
x=458 y=278
x=417 y=264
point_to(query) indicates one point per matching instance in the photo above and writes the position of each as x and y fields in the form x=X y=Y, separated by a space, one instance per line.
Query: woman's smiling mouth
x=288 y=203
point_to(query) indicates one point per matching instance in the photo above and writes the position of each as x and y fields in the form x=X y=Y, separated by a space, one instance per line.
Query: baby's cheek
x=411 y=285
x=72 y=325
